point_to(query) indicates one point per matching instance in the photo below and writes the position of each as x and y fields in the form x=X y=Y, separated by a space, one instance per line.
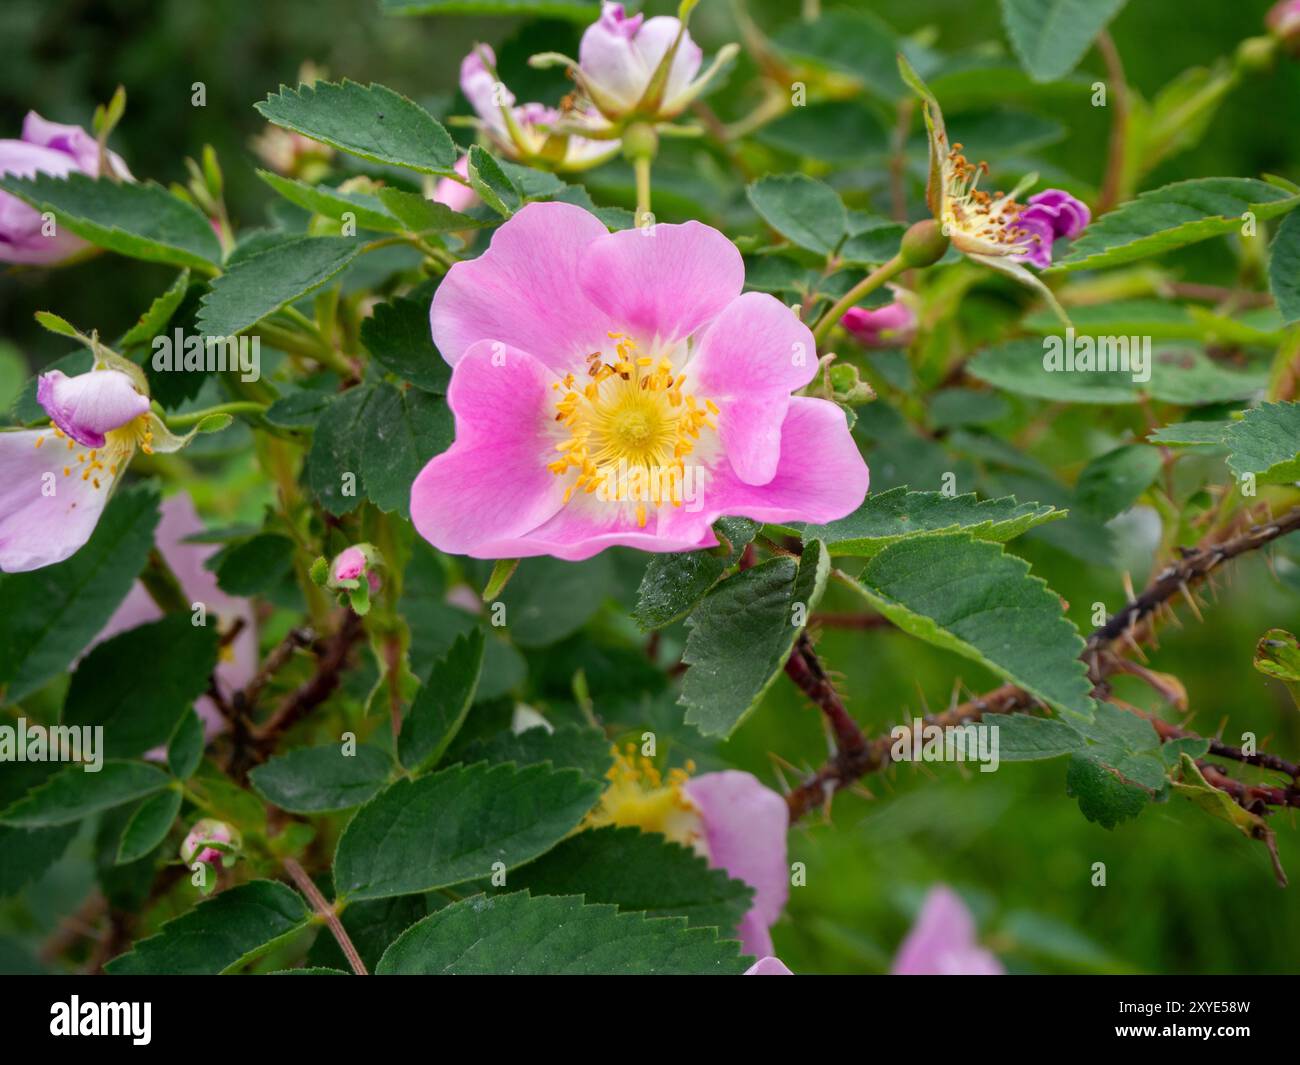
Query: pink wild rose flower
x=44 y=148
x=619 y=389
x=890 y=326
x=619 y=55
x=942 y=941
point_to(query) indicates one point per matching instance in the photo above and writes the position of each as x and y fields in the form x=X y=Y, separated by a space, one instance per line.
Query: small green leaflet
x=555 y=936
x=1277 y=655
x=265 y=283
x=370 y=121
x=138 y=219
x=73 y=793
x=455 y=825
x=48 y=616
x=639 y=871
x=675 y=581
x=742 y=634
x=367 y=211
x=802 y=210
x=898 y=514
x=1284 y=268
x=322 y=779
x=969 y=596
x=1173 y=216
x=220 y=935
x=440 y=707
x=149 y=825
x=1051 y=36
x=1266 y=443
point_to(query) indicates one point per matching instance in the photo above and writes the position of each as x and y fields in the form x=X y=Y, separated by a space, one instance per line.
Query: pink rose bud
x=890 y=326
x=44 y=148
x=619 y=55
x=209 y=830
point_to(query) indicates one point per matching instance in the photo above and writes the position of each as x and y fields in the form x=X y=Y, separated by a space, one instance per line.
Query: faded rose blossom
x=55 y=482
x=992 y=228
x=45 y=148
x=528 y=132
x=728 y=818
x=292 y=154
x=571 y=350
x=943 y=943
x=890 y=326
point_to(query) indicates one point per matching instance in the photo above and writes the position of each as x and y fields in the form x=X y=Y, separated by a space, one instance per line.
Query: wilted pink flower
x=529 y=132
x=619 y=389
x=1050 y=215
x=890 y=326
x=239 y=658
x=52 y=491
x=728 y=818
x=618 y=58
x=45 y=148
x=943 y=943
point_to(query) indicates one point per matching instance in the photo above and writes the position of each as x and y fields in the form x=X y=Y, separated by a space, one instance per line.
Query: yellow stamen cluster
x=632 y=416
x=640 y=796
x=96 y=467
x=983 y=222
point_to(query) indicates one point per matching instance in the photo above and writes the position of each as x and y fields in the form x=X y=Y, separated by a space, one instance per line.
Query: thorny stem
x=848 y=764
x=322 y=906
x=866 y=286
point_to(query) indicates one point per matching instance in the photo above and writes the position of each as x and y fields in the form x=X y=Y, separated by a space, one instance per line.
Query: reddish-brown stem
x=323 y=907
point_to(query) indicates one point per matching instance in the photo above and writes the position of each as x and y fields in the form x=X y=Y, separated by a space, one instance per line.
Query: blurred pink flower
x=768 y=966
x=890 y=326
x=44 y=148
x=239 y=660
x=571 y=349
x=943 y=943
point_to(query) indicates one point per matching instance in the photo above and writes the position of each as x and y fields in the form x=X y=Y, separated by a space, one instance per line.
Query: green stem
x=641 y=164
x=867 y=285
x=190 y=418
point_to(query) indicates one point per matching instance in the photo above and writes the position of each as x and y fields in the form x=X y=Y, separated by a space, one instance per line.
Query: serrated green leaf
x=48 y=616
x=552 y=936
x=219 y=935
x=403 y=429
x=334 y=463
x=106 y=688
x=1284 y=268
x=155 y=319
x=1277 y=655
x=454 y=825
x=1051 y=36
x=421 y=215
x=1023 y=738
x=1111 y=483
x=1190 y=434
x=371 y=925
x=73 y=793
x=1173 y=216
x=1266 y=443
x=898 y=514
x=256 y=566
x=137 y=219
x=149 y=825
x=185 y=749
x=742 y=634
x=639 y=871
x=802 y=210
x=322 y=779
x=492 y=184
x=969 y=596
x=398 y=337
x=444 y=699
x=569 y=746
x=675 y=582
x=548 y=599
x=368 y=211
x=263 y=284
x=299 y=410
x=1103 y=796
x=370 y=121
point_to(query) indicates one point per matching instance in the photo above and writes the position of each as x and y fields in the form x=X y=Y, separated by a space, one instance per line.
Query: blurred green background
x=1184 y=894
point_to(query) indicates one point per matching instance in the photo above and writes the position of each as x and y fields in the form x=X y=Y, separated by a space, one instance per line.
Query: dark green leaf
x=320 y=779
x=444 y=699
x=397 y=335
x=149 y=825
x=675 y=582
x=73 y=793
